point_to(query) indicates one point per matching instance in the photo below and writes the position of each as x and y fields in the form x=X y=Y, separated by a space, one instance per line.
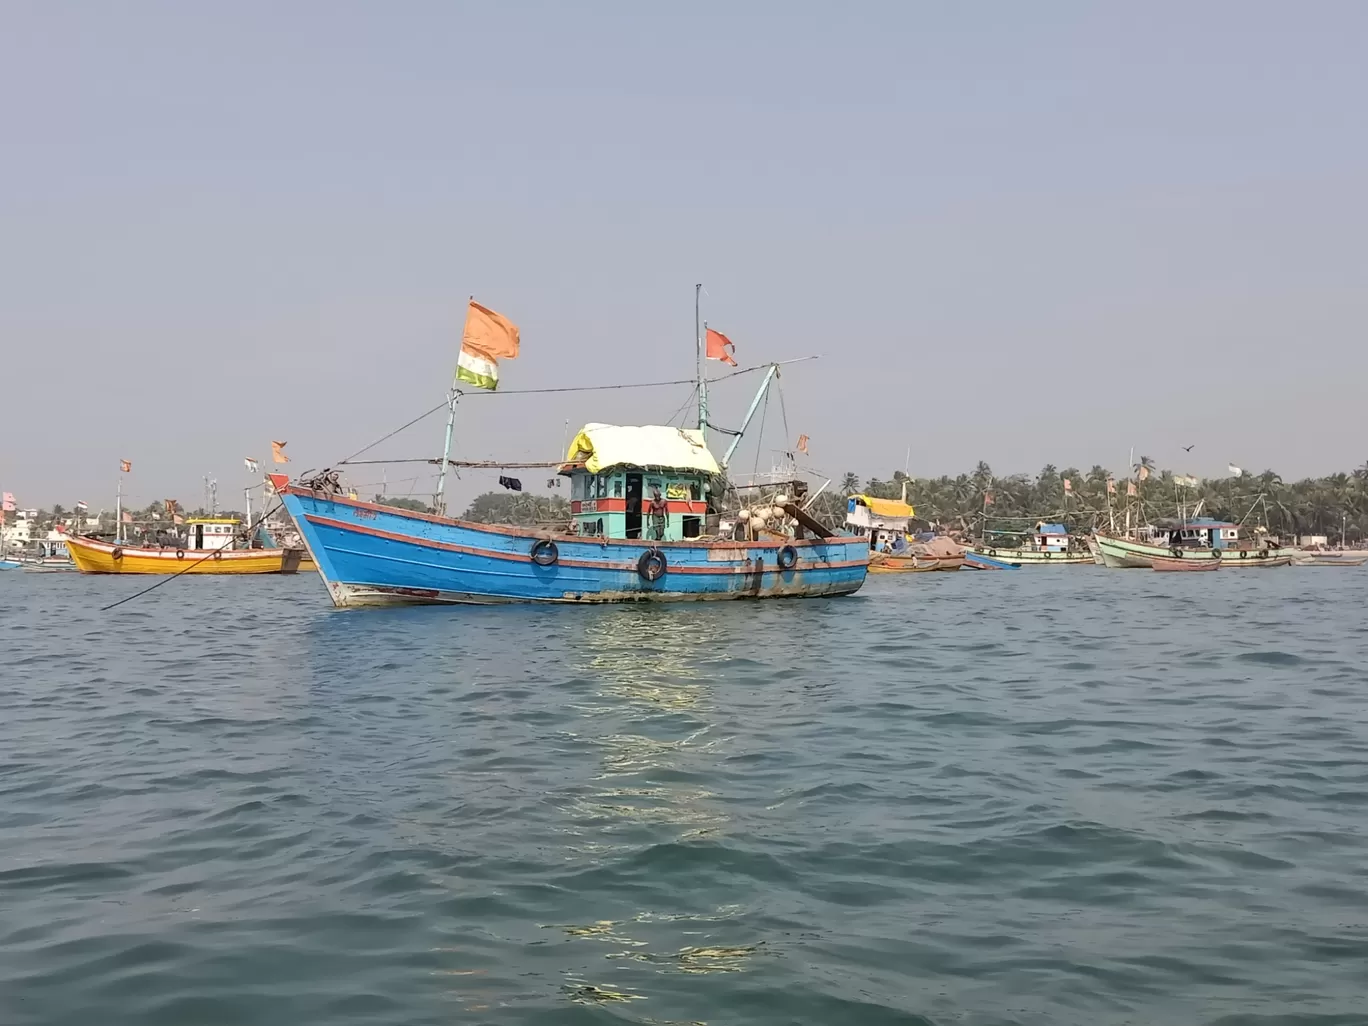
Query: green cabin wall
x=585 y=486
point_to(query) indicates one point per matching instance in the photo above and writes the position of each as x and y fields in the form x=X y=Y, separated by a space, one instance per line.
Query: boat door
x=199 y=536
x=633 y=505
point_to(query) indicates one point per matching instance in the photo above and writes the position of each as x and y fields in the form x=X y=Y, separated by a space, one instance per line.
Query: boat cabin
x=615 y=473
x=1199 y=533
x=211 y=532
x=1050 y=538
x=885 y=522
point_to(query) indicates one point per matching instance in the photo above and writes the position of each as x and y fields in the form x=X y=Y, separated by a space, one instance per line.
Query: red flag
x=278 y=452
x=802 y=443
x=718 y=344
x=1068 y=485
x=1130 y=488
x=1111 y=487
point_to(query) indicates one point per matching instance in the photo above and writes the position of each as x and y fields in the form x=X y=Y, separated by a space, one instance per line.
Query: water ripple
x=1054 y=797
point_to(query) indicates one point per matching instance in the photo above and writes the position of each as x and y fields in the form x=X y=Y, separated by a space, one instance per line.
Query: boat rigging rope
x=208 y=555
x=461 y=393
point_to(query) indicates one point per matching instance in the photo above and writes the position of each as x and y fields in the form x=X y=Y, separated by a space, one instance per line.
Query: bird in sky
x=1189 y=448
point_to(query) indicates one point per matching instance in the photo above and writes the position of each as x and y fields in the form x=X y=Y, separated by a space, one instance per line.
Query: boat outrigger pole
x=755 y=405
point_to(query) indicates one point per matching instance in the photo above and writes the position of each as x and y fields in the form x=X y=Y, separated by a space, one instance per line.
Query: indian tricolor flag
x=489 y=337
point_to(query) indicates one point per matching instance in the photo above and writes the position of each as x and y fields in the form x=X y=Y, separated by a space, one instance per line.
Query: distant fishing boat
x=9 y=564
x=643 y=522
x=1328 y=559
x=210 y=549
x=1049 y=544
x=1196 y=540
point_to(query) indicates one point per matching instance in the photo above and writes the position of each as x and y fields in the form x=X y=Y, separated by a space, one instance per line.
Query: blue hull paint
x=9 y=564
x=376 y=555
x=989 y=563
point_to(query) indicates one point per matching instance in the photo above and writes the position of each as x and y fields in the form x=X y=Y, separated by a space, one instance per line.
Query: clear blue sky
x=1016 y=232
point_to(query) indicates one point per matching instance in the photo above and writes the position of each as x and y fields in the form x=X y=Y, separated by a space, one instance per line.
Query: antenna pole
x=702 y=379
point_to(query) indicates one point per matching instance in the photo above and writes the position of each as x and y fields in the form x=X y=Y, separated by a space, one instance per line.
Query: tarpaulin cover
x=600 y=446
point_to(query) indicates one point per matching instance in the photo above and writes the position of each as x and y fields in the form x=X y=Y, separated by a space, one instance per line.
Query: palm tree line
x=1334 y=505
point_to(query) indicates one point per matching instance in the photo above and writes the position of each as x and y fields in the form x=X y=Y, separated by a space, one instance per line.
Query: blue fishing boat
x=978 y=561
x=9 y=564
x=644 y=526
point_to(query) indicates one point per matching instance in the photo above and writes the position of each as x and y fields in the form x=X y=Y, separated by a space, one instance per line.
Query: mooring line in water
x=210 y=555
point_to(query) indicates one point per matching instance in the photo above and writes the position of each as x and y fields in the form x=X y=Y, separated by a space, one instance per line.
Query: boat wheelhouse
x=884 y=523
x=616 y=474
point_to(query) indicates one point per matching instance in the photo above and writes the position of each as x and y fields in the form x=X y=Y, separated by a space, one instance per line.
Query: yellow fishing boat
x=209 y=548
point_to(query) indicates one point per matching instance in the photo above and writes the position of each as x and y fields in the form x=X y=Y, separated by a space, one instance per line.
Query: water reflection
x=650 y=721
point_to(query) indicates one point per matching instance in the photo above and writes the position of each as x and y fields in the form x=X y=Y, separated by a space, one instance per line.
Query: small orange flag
x=1130 y=488
x=1111 y=487
x=125 y=466
x=718 y=345
x=802 y=443
x=1068 y=485
x=278 y=452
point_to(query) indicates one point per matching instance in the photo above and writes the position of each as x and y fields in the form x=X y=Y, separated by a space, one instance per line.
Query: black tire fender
x=180 y=553
x=218 y=553
x=117 y=553
x=652 y=565
x=544 y=552
x=788 y=557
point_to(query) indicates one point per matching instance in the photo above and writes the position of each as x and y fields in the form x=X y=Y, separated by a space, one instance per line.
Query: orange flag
x=802 y=443
x=718 y=344
x=278 y=452
x=488 y=338
x=1111 y=487
x=125 y=466
x=1068 y=485
x=1130 y=488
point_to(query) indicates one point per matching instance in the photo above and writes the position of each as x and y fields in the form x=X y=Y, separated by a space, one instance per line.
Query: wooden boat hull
x=885 y=563
x=98 y=557
x=1124 y=553
x=9 y=564
x=373 y=555
x=1256 y=564
x=1027 y=557
x=1329 y=560
x=1185 y=565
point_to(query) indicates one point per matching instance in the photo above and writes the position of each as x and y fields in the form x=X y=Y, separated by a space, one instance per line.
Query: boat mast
x=118 y=512
x=702 y=379
x=438 y=499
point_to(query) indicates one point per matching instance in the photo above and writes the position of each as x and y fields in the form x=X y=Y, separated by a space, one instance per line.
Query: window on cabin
x=695 y=490
x=601 y=486
x=617 y=487
x=692 y=527
x=586 y=527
